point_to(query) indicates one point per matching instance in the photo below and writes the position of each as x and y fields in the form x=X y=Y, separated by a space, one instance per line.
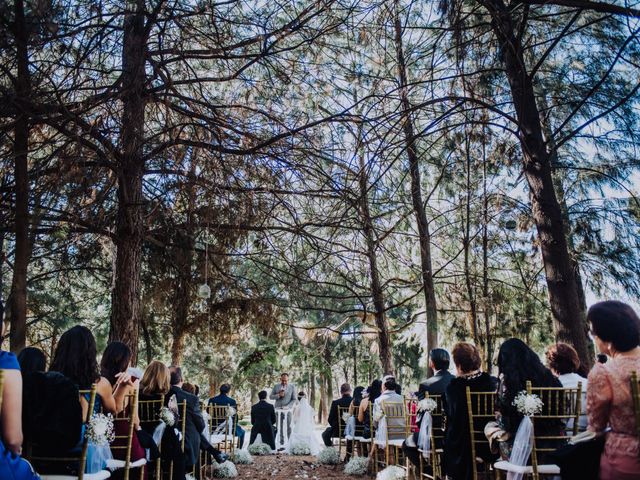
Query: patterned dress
x=609 y=404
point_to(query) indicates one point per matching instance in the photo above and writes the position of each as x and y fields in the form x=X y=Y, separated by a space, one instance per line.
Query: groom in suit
x=263 y=419
x=284 y=394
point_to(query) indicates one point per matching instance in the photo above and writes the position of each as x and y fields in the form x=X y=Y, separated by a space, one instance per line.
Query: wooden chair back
x=124 y=442
x=148 y=411
x=221 y=427
x=635 y=396
x=481 y=410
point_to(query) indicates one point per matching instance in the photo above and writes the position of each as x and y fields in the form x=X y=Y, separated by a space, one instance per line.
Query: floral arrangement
x=346 y=417
x=100 y=429
x=167 y=416
x=329 y=456
x=300 y=448
x=427 y=405
x=259 y=448
x=392 y=472
x=527 y=404
x=225 y=470
x=242 y=457
x=357 y=466
x=188 y=476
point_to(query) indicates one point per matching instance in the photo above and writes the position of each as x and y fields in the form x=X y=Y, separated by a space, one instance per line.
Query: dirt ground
x=290 y=467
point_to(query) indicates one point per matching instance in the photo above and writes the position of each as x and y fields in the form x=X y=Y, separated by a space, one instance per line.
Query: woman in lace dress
x=616 y=330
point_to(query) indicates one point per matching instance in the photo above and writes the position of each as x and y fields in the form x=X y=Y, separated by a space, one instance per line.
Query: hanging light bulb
x=204 y=291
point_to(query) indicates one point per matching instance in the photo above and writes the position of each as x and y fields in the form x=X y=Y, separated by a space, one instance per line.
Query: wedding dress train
x=303 y=432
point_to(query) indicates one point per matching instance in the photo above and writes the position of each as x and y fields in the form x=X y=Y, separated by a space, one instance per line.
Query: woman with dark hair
x=353 y=412
x=75 y=358
x=615 y=328
x=456 y=460
x=32 y=360
x=517 y=364
x=115 y=361
x=364 y=410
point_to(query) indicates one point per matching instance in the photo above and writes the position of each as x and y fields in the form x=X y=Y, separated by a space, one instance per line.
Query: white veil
x=303 y=417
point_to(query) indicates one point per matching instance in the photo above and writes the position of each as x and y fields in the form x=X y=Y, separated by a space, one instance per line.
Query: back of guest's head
x=75 y=357
x=374 y=390
x=440 y=358
x=345 y=388
x=176 y=375
x=466 y=357
x=390 y=384
x=225 y=388
x=616 y=323
x=197 y=390
x=189 y=388
x=301 y=395
x=562 y=358
x=398 y=389
x=518 y=363
x=357 y=395
x=156 y=379
x=262 y=395
x=115 y=359
x=32 y=360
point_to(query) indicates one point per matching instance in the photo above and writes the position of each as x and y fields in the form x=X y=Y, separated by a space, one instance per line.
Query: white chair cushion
x=215 y=439
x=363 y=440
x=510 y=467
x=101 y=475
x=118 y=464
x=391 y=443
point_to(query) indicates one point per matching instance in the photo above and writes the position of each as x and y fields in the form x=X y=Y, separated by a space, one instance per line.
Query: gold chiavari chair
x=481 y=410
x=87 y=397
x=123 y=442
x=397 y=430
x=437 y=440
x=360 y=443
x=635 y=395
x=342 y=425
x=559 y=405
x=222 y=428
x=182 y=411
x=148 y=411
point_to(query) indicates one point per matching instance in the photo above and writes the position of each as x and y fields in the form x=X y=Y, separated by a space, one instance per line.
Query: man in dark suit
x=263 y=419
x=439 y=360
x=436 y=385
x=225 y=400
x=194 y=421
x=333 y=430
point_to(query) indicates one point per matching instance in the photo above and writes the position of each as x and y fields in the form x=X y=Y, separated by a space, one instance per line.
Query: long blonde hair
x=156 y=379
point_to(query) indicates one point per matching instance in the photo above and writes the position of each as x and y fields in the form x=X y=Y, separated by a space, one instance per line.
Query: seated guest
x=563 y=361
x=456 y=461
x=616 y=330
x=366 y=406
x=336 y=423
x=189 y=388
x=395 y=425
x=116 y=360
x=225 y=400
x=32 y=360
x=517 y=364
x=263 y=420
x=194 y=421
x=437 y=384
x=154 y=385
x=11 y=419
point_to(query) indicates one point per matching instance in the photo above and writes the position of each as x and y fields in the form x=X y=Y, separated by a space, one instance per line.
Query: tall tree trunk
x=312 y=389
x=125 y=307
x=424 y=236
x=564 y=296
x=488 y=340
x=384 y=338
x=473 y=306
x=18 y=296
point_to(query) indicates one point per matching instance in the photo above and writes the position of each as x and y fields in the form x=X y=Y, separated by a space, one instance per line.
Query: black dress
x=456 y=461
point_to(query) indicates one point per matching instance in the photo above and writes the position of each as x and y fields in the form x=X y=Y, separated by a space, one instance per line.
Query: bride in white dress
x=304 y=427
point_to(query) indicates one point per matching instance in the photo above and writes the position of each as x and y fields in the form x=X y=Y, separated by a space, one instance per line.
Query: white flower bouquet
x=346 y=417
x=167 y=416
x=427 y=405
x=392 y=472
x=225 y=470
x=329 y=456
x=100 y=429
x=527 y=404
x=242 y=457
x=259 y=448
x=300 y=448
x=357 y=466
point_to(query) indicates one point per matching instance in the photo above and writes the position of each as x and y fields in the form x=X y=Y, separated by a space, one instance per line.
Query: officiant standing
x=284 y=395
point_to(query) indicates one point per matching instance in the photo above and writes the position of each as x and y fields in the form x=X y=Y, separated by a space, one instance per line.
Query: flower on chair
x=100 y=429
x=527 y=404
x=427 y=405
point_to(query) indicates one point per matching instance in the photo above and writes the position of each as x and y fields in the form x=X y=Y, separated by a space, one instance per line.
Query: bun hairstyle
x=390 y=384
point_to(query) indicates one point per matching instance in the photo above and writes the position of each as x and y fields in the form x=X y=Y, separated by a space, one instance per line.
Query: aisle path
x=290 y=467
